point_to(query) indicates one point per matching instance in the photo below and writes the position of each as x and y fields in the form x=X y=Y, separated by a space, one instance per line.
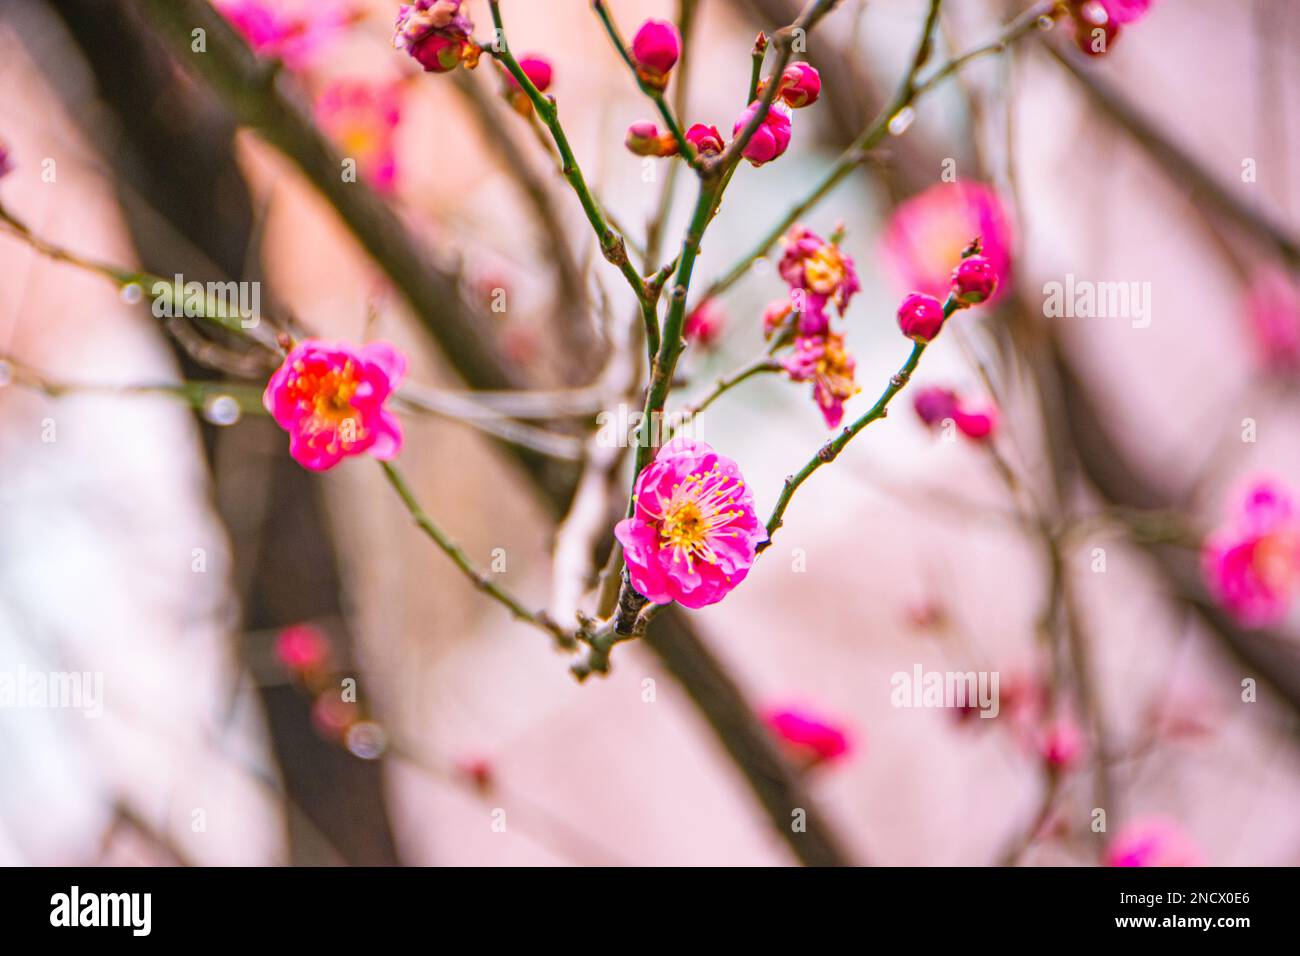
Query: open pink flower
x=1252 y=564
x=772 y=137
x=1153 y=841
x=436 y=34
x=705 y=323
x=811 y=740
x=295 y=37
x=928 y=233
x=935 y=405
x=1273 y=311
x=362 y=118
x=693 y=534
x=825 y=274
x=330 y=398
x=823 y=360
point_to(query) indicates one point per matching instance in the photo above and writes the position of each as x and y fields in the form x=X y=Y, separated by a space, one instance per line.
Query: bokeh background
x=908 y=550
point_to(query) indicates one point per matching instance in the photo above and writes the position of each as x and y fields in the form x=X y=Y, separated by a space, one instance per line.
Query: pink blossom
x=811 y=739
x=1062 y=744
x=775 y=316
x=823 y=272
x=295 y=38
x=772 y=137
x=823 y=360
x=302 y=648
x=801 y=85
x=705 y=323
x=935 y=405
x=706 y=139
x=1153 y=841
x=1252 y=564
x=330 y=398
x=436 y=34
x=928 y=233
x=655 y=50
x=1273 y=311
x=362 y=118
x=693 y=534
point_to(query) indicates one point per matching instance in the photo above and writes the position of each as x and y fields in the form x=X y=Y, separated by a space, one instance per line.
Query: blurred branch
x=1179 y=165
x=612 y=245
x=572 y=307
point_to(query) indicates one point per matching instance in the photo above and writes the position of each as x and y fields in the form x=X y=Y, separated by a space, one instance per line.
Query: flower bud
x=705 y=324
x=538 y=70
x=974 y=280
x=772 y=137
x=801 y=84
x=655 y=50
x=706 y=139
x=921 y=317
x=645 y=139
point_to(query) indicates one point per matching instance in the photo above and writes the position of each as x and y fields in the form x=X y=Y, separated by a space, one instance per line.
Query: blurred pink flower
x=705 y=323
x=928 y=233
x=1273 y=311
x=436 y=34
x=1062 y=744
x=294 y=36
x=1153 y=841
x=935 y=405
x=772 y=137
x=823 y=360
x=6 y=162
x=1126 y=11
x=362 y=118
x=694 y=534
x=1252 y=564
x=810 y=739
x=655 y=50
x=823 y=272
x=330 y=398
x=302 y=648
x=775 y=316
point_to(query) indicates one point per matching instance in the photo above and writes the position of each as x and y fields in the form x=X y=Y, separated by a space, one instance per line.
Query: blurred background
x=231 y=600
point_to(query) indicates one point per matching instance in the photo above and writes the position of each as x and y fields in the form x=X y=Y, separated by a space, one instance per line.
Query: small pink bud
x=706 y=139
x=921 y=317
x=772 y=137
x=438 y=53
x=655 y=50
x=645 y=139
x=801 y=84
x=1062 y=744
x=538 y=70
x=974 y=280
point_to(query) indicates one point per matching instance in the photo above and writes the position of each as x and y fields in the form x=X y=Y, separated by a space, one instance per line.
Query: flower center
x=327 y=395
x=696 y=516
x=824 y=270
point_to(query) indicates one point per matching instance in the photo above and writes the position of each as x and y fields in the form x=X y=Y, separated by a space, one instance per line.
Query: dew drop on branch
x=132 y=293
x=900 y=121
x=367 y=740
x=221 y=410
